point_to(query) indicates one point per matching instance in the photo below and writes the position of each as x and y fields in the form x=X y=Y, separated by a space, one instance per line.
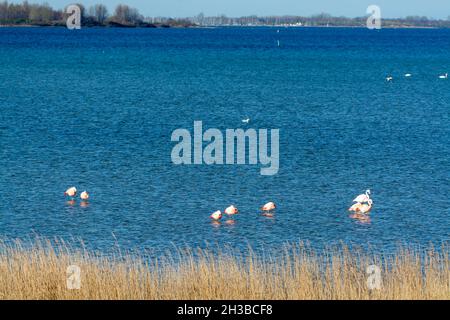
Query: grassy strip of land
x=41 y=271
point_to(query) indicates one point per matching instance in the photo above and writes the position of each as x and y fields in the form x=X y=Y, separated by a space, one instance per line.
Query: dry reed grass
x=296 y=272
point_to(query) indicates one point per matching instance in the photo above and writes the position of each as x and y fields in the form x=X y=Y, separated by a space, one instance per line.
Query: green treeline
x=96 y=15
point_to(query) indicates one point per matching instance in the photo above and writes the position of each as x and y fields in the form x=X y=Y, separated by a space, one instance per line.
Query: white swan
x=443 y=76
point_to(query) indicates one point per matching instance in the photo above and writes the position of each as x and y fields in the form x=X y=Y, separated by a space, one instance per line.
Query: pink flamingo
x=363 y=197
x=217 y=215
x=355 y=207
x=366 y=207
x=269 y=206
x=84 y=195
x=71 y=192
x=231 y=210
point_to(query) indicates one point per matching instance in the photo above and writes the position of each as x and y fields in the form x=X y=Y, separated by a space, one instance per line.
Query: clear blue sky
x=350 y=8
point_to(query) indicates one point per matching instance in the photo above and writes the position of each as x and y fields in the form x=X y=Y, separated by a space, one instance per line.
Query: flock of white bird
x=408 y=75
x=363 y=205
x=267 y=210
x=72 y=193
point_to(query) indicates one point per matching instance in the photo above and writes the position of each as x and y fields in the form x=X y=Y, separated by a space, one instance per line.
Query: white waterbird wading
x=84 y=195
x=366 y=207
x=363 y=203
x=364 y=197
x=217 y=215
x=71 y=192
x=231 y=210
x=269 y=206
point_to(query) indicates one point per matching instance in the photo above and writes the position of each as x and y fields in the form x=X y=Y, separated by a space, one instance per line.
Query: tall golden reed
x=296 y=272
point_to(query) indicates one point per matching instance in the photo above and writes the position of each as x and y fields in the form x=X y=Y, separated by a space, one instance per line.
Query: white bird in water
x=84 y=195
x=269 y=206
x=366 y=207
x=231 y=210
x=246 y=120
x=389 y=78
x=364 y=197
x=407 y=75
x=363 y=204
x=363 y=208
x=444 y=76
x=217 y=215
x=355 y=207
x=71 y=192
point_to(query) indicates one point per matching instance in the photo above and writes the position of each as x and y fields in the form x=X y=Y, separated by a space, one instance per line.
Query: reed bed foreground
x=296 y=272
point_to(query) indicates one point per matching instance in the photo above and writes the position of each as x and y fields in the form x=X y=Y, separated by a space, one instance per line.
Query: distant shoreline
x=209 y=27
x=124 y=16
x=144 y=26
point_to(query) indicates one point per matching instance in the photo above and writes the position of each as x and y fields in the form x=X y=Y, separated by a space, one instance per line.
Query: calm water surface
x=96 y=108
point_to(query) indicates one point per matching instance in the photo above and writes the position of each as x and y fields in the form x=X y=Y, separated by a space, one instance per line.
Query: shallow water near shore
x=96 y=108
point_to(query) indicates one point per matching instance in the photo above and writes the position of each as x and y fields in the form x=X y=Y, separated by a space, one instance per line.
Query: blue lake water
x=96 y=108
